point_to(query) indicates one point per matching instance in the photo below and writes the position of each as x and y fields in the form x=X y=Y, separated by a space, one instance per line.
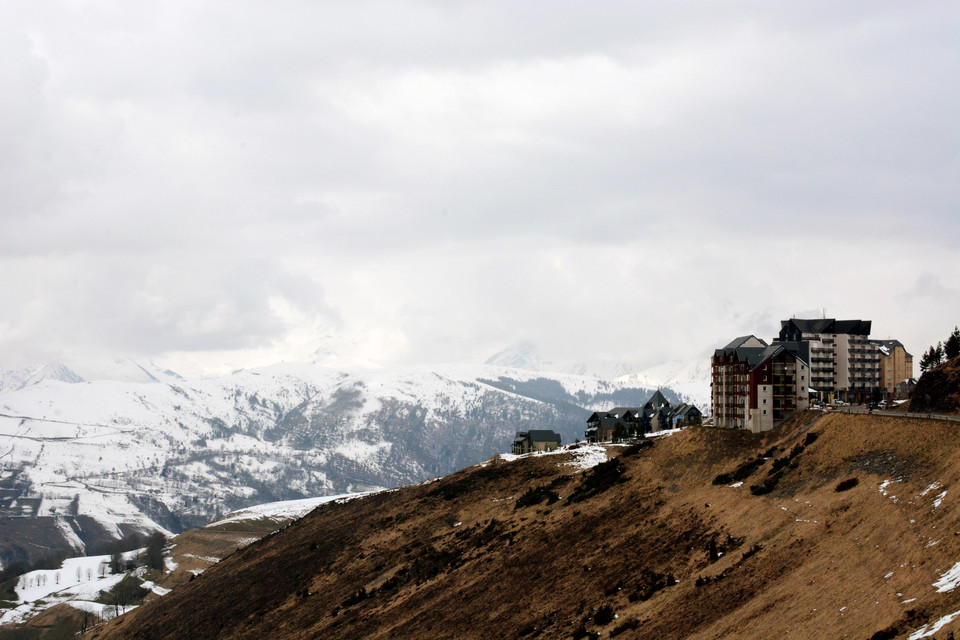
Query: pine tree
x=155 y=550
x=938 y=355
x=951 y=348
x=925 y=360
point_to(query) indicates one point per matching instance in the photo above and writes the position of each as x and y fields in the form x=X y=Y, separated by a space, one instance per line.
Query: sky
x=220 y=185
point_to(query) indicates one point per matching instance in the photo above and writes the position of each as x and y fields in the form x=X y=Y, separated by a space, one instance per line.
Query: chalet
x=536 y=440
x=685 y=415
x=620 y=422
x=656 y=414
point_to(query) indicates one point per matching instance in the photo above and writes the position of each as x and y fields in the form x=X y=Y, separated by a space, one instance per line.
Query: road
x=859 y=408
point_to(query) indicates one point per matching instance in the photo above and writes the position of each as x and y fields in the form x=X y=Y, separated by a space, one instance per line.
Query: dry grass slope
x=660 y=551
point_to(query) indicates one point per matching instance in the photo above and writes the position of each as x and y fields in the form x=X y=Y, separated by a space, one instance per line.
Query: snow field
x=78 y=582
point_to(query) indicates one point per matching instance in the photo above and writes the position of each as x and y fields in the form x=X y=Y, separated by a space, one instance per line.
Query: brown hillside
x=456 y=558
x=938 y=390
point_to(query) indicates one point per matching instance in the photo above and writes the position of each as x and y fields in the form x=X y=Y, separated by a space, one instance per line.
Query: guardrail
x=898 y=414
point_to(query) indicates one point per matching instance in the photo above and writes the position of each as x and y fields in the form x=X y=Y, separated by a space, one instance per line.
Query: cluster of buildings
x=656 y=414
x=618 y=424
x=756 y=385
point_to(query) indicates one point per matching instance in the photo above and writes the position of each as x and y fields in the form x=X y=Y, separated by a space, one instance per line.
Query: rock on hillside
x=938 y=390
x=833 y=526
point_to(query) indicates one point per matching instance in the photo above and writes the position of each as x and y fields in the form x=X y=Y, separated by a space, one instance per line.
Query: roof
x=543 y=435
x=890 y=345
x=827 y=325
x=742 y=340
x=596 y=416
x=657 y=400
x=755 y=356
x=684 y=409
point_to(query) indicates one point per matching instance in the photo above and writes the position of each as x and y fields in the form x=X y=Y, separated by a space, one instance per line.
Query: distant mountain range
x=82 y=463
x=117 y=369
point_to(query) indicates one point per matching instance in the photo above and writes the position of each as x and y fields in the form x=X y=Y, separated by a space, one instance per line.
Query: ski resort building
x=895 y=366
x=756 y=386
x=656 y=414
x=536 y=440
x=844 y=364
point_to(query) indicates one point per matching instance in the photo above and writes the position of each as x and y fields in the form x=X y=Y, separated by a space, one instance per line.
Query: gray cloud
x=411 y=182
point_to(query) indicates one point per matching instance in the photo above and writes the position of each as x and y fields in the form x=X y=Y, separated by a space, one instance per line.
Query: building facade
x=895 y=366
x=844 y=363
x=536 y=440
x=756 y=386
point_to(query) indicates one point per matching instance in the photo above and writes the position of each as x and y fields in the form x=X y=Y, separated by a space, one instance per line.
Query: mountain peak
x=520 y=355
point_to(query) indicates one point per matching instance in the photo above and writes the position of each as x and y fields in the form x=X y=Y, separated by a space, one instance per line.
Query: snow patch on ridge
x=949 y=580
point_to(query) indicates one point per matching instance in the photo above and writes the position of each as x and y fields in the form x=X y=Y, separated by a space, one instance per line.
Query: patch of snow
x=585 y=455
x=588 y=457
x=939 y=500
x=932 y=487
x=665 y=433
x=209 y=559
x=737 y=484
x=949 y=580
x=284 y=510
x=884 y=488
x=928 y=630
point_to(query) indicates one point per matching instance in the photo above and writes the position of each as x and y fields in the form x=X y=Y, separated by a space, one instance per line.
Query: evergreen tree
x=619 y=432
x=155 y=550
x=951 y=348
x=116 y=561
x=938 y=355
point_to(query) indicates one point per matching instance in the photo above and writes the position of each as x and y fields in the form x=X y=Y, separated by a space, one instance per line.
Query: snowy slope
x=77 y=582
x=141 y=456
x=689 y=379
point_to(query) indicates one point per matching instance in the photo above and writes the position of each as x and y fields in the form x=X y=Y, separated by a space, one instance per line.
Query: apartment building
x=895 y=366
x=844 y=363
x=756 y=386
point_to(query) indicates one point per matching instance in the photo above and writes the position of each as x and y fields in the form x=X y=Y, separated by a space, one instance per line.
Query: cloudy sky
x=215 y=185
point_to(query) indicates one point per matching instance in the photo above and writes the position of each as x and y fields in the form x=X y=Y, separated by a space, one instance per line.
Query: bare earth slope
x=457 y=558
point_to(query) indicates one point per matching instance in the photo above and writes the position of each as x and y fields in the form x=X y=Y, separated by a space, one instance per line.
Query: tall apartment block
x=756 y=386
x=844 y=363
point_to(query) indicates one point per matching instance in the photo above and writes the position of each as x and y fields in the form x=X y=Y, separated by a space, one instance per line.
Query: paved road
x=896 y=414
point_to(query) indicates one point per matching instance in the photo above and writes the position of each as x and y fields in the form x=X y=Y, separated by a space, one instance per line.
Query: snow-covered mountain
x=690 y=380
x=117 y=369
x=16 y=379
x=96 y=460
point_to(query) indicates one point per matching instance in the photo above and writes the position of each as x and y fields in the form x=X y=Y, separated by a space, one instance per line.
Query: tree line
x=942 y=352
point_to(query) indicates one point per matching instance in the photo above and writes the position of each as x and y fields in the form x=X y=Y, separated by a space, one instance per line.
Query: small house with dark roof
x=686 y=415
x=536 y=440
